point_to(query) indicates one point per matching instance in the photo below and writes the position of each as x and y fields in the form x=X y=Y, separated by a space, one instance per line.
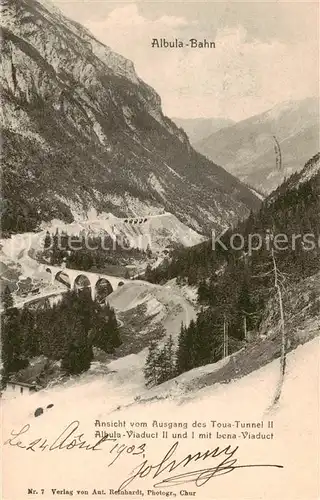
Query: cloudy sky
x=266 y=52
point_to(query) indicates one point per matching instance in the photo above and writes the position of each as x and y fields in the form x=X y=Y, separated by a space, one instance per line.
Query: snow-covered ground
x=189 y=292
x=163 y=304
x=156 y=231
x=15 y=250
x=258 y=195
x=15 y=254
x=293 y=445
x=311 y=171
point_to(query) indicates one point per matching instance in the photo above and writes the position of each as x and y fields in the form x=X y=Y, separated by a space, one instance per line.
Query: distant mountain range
x=82 y=131
x=201 y=128
x=246 y=149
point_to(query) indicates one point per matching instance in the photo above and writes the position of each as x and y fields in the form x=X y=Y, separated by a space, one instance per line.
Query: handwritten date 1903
x=220 y=461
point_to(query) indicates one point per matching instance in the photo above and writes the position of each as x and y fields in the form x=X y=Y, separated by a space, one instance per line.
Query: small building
x=16 y=389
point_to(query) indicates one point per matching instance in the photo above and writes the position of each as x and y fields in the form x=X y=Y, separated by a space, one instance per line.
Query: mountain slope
x=310 y=174
x=198 y=129
x=82 y=131
x=236 y=277
x=246 y=149
x=292 y=209
x=159 y=232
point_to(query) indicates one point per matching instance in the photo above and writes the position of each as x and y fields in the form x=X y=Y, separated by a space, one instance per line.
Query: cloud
x=242 y=76
x=128 y=15
x=172 y=22
x=121 y=17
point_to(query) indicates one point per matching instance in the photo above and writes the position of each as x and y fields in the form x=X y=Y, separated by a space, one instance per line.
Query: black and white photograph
x=160 y=250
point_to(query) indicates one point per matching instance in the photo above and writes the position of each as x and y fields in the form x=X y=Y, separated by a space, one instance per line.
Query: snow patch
x=156 y=231
x=116 y=397
x=311 y=170
x=156 y=184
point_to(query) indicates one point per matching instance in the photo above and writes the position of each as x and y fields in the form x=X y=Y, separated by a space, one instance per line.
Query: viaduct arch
x=93 y=278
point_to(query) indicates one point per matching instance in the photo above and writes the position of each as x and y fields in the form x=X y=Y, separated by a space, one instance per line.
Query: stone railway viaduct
x=92 y=278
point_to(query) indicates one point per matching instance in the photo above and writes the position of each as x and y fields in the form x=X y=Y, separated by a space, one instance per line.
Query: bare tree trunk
x=225 y=337
x=277 y=285
x=227 y=340
x=283 y=330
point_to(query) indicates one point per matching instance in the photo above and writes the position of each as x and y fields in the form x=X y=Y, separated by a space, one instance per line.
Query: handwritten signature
x=199 y=477
x=222 y=460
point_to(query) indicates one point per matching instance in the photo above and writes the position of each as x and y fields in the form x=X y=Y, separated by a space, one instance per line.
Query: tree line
x=200 y=343
x=89 y=253
x=65 y=332
x=235 y=285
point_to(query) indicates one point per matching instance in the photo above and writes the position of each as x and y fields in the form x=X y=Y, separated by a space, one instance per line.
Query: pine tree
x=7 y=299
x=151 y=369
x=12 y=354
x=166 y=361
x=245 y=308
x=29 y=334
x=47 y=241
x=202 y=341
x=56 y=253
x=183 y=359
x=160 y=363
x=113 y=329
x=148 y=252
x=6 y=354
x=105 y=331
x=79 y=355
x=149 y=274
x=203 y=292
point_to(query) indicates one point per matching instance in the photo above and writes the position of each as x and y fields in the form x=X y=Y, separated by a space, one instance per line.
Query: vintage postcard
x=160 y=250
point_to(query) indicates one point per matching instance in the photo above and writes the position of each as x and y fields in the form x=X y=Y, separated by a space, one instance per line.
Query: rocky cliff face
x=82 y=131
